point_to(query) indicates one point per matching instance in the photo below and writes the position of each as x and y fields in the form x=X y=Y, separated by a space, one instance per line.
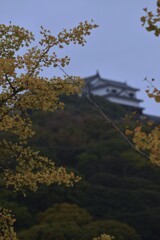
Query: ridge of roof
x=109 y=82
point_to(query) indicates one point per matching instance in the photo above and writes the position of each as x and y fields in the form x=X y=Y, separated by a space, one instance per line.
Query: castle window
x=131 y=94
x=114 y=90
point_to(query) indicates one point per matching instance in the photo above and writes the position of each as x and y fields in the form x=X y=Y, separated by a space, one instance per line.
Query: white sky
x=120 y=48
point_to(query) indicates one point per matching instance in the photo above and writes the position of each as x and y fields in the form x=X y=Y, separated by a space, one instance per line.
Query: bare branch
x=109 y=121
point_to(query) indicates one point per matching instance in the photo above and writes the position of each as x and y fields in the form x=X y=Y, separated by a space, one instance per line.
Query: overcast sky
x=120 y=48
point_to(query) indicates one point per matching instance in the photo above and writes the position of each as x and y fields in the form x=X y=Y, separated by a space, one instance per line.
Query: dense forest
x=119 y=190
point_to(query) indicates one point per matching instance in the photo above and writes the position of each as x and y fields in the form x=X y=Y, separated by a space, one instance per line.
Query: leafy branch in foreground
x=151 y=20
x=150 y=141
x=6 y=225
x=23 y=88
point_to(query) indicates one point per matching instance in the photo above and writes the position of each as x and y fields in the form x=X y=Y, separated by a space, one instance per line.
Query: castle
x=113 y=91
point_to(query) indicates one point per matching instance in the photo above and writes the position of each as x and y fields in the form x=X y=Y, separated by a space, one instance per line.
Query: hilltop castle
x=113 y=91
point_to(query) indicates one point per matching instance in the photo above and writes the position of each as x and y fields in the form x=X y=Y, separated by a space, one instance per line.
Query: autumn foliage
x=149 y=141
x=23 y=88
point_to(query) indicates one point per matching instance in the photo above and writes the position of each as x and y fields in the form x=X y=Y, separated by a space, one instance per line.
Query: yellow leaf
x=150 y=123
x=134 y=113
x=150 y=95
x=137 y=129
x=128 y=132
x=157 y=98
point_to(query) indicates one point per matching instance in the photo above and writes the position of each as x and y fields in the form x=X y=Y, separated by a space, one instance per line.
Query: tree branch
x=108 y=120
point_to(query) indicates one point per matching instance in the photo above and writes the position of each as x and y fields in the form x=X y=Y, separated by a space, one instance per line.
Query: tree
x=62 y=221
x=24 y=88
x=149 y=141
x=68 y=221
x=120 y=231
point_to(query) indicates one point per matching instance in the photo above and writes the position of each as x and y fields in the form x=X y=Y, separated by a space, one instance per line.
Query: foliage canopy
x=22 y=89
x=149 y=141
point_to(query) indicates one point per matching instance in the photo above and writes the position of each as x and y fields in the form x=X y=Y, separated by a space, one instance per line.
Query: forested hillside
x=119 y=191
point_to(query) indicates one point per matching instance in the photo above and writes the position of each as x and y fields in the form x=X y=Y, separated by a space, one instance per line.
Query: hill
x=119 y=192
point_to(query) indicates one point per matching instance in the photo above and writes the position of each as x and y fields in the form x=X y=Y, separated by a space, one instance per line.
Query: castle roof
x=96 y=82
